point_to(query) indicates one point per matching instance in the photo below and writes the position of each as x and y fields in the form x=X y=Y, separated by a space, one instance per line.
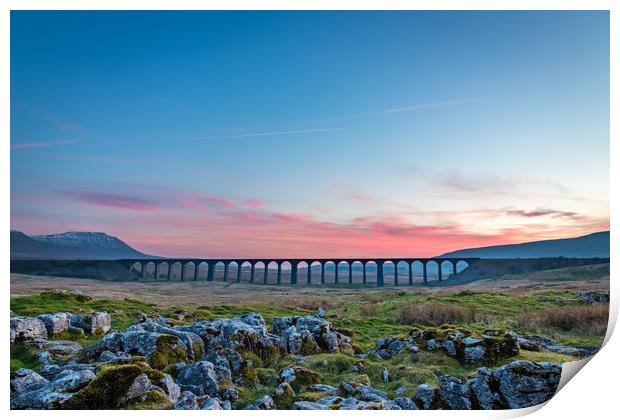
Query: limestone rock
x=454 y=394
x=525 y=384
x=426 y=395
x=405 y=403
x=199 y=378
x=55 y=323
x=25 y=328
x=263 y=403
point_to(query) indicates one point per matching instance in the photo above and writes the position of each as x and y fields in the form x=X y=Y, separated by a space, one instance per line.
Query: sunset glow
x=310 y=135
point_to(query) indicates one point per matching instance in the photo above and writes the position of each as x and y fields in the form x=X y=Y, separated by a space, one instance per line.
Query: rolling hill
x=588 y=246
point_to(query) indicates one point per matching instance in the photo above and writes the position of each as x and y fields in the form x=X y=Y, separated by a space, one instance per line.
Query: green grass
x=23 y=358
x=496 y=311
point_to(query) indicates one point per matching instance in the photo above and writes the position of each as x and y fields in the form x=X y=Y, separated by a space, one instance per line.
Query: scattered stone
x=454 y=394
x=187 y=401
x=25 y=328
x=526 y=384
x=263 y=403
x=326 y=389
x=98 y=323
x=307 y=405
x=283 y=395
x=426 y=395
x=26 y=380
x=298 y=376
x=199 y=378
x=212 y=404
x=385 y=375
x=230 y=394
x=590 y=298
x=55 y=323
x=401 y=390
x=405 y=403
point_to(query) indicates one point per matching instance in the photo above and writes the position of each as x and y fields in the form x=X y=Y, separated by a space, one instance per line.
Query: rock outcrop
x=204 y=365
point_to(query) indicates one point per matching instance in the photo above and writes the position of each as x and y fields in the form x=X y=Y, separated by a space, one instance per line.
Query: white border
x=592 y=394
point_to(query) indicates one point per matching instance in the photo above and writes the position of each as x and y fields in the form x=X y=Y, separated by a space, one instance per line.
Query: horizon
x=310 y=133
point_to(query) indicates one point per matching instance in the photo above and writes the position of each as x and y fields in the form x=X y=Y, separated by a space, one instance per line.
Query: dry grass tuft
x=368 y=310
x=435 y=314
x=587 y=319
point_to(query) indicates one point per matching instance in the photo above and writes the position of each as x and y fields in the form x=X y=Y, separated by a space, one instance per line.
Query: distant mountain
x=71 y=245
x=588 y=246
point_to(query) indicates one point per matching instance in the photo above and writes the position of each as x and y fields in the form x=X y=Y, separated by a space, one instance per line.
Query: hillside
x=589 y=246
x=71 y=245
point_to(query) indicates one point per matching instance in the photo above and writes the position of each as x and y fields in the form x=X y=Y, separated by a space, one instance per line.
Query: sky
x=310 y=134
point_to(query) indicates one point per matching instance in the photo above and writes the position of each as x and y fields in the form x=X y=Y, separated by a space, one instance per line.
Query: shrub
x=587 y=319
x=435 y=314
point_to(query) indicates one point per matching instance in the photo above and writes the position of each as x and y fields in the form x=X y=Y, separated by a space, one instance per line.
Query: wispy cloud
x=544 y=212
x=109 y=200
x=40 y=144
x=253 y=202
x=64 y=125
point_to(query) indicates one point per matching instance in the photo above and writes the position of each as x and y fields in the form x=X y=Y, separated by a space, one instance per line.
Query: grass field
x=542 y=303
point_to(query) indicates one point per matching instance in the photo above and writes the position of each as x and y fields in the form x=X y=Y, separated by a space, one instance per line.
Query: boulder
x=24 y=380
x=283 y=395
x=325 y=389
x=589 y=298
x=113 y=388
x=308 y=405
x=263 y=403
x=172 y=391
x=55 y=323
x=212 y=404
x=199 y=378
x=426 y=395
x=405 y=403
x=194 y=345
x=25 y=328
x=483 y=388
x=454 y=394
x=230 y=394
x=361 y=391
x=525 y=384
x=298 y=376
x=187 y=401
x=98 y=323
x=43 y=394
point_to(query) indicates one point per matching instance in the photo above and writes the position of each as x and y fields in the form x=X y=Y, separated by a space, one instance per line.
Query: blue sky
x=262 y=133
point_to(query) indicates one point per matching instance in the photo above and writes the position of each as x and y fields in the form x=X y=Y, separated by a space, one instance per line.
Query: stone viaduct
x=165 y=266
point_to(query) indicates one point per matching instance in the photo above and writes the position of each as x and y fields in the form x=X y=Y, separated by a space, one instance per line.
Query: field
x=521 y=303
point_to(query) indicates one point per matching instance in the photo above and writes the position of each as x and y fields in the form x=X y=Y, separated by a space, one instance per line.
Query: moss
x=154 y=400
x=197 y=350
x=310 y=396
x=107 y=390
x=169 y=350
x=266 y=376
x=283 y=397
x=309 y=346
x=22 y=357
x=304 y=376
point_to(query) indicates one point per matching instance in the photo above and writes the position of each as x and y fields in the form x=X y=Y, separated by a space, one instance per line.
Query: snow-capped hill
x=71 y=245
x=83 y=239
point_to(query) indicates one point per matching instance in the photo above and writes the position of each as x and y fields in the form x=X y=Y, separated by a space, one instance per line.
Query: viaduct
x=165 y=266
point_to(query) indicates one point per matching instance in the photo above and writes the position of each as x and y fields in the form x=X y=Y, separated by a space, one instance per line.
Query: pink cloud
x=37 y=145
x=203 y=202
x=109 y=200
x=544 y=212
x=253 y=202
